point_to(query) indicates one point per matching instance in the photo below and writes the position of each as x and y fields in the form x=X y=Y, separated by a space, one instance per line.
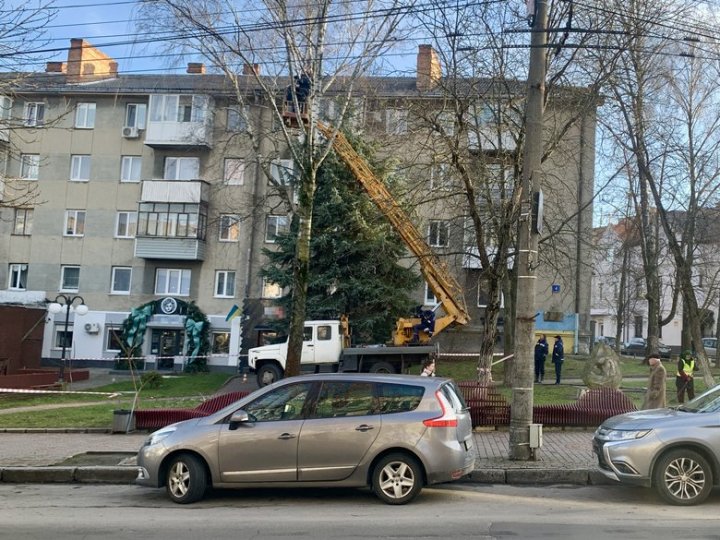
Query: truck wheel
x=268 y=374
x=382 y=367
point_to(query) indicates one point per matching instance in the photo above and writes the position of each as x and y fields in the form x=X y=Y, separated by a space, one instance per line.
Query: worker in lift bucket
x=303 y=87
x=426 y=324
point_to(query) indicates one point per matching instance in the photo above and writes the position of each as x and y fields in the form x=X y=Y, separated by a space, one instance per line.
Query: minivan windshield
x=704 y=403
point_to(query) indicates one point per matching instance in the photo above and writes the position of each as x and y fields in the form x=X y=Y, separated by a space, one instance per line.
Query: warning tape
x=28 y=391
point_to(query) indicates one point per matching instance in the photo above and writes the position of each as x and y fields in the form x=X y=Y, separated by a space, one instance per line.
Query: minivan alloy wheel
x=683 y=477
x=397 y=479
x=186 y=479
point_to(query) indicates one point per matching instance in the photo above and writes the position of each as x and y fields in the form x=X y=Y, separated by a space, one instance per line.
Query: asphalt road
x=486 y=512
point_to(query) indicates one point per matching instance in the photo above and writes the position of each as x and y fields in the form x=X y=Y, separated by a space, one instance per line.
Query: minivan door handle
x=286 y=436
x=364 y=427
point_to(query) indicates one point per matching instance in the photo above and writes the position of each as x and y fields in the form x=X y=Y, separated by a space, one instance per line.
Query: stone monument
x=602 y=370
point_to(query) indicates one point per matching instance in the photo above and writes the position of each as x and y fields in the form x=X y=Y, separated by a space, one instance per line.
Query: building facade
x=143 y=190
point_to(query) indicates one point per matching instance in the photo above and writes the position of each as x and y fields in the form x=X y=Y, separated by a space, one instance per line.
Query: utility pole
x=523 y=366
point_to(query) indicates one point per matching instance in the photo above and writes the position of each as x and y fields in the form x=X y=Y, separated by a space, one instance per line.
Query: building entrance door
x=166 y=345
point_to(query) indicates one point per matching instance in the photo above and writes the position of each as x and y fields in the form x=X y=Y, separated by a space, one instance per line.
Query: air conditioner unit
x=130 y=132
x=92 y=328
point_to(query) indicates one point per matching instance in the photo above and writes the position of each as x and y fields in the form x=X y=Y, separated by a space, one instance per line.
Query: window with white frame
x=182 y=168
x=80 y=168
x=430 y=299
x=34 y=114
x=221 y=343
x=229 y=228
x=18 y=277
x=74 y=223
x=281 y=171
x=113 y=337
x=176 y=108
x=120 y=280
x=270 y=289
x=275 y=225
x=135 y=114
x=234 y=173
x=396 y=121
x=225 y=284
x=446 y=123
x=172 y=281
x=438 y=233
x=63 y=338
x=237 y=119
x=29 y=166
x=440 y=177
x=482 y=297
x=126 y=225
x=85 y=115
x=70 y=278
x=22 y=223
x=5 y=107
x=130 y=168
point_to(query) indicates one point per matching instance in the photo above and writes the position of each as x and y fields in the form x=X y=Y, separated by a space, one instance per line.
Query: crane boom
x=439 y=280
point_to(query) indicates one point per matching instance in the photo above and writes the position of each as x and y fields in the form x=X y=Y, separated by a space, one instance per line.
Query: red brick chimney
x=429 y=70
x=249 y=69
x=197 y=68
x=55 y=67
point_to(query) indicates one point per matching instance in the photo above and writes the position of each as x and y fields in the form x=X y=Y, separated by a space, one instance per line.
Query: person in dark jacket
x=541 y=352
x=558 y=356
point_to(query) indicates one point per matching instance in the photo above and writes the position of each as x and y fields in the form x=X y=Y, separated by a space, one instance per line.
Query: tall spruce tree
x=354 y=258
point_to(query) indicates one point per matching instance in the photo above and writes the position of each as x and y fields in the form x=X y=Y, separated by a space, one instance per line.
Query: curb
x=127 y=475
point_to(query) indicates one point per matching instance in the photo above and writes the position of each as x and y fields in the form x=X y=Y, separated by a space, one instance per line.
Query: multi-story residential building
x=146 y=190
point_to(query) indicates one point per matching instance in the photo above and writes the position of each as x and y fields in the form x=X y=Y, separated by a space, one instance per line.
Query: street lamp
x=56 y=307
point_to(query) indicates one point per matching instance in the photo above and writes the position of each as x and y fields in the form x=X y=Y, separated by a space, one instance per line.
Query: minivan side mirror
x=239 y=417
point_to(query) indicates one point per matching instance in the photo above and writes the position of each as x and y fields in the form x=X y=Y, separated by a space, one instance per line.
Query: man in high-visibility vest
x=684 y=381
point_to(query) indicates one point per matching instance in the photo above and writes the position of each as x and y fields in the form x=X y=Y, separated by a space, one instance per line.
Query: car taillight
x=447 y=418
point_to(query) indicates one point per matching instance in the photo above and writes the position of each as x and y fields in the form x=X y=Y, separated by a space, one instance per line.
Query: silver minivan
x=394 y=433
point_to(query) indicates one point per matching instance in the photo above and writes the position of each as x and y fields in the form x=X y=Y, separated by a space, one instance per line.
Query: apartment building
x=142 y=190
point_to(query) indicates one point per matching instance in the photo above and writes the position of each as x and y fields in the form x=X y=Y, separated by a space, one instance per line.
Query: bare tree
x=313 y=50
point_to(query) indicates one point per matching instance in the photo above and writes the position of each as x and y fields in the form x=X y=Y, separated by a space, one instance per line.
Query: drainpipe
x=580 y=224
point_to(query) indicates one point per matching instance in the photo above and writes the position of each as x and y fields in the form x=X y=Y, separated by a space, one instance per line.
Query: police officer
x=684 y=380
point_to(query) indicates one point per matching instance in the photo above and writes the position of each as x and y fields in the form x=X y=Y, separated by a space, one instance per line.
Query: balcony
x=179 y=121
x=172 y=220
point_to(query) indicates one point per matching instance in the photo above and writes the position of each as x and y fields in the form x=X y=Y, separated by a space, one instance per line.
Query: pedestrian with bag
x=655 y=393
x=558 y=357
x=541 y=352
x=684 y=381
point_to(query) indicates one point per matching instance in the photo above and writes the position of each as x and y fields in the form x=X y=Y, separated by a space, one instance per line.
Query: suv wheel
x=186 y=479
x=397 y=479
x=683 y=477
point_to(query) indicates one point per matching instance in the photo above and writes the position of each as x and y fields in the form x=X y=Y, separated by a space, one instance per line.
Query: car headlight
x=159 y=435
x=625 y=435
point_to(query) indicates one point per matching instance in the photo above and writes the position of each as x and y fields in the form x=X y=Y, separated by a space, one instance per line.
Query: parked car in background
x=608 y=340
x=676 y=451
x=394 y=433
x=637 y=346
x=710 y=344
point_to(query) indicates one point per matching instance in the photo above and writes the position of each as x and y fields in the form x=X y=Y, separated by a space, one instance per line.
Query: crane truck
x=326 y=344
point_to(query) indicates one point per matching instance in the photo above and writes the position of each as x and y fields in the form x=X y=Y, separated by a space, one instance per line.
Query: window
x=324 y=333
x=440 y=177
x=120 y=282
x=85 y=115
x=395 y=398
x=224 y=284
x=446 y=123
x=396 y=121
x=638 y=326
x=126 y=226
x=229 y=228
x=80 y=168
x=430 y=299
x=5 y=107
x=174 y=108
x=34 y=114
x=113 y=341
x=176 y=220
x=135 y=114
x=74 y=223
x=237 y=119
x=281 y=171
x=270 y=289
x=275 y=225
x=234 y=174
x=182 y=168
x=284 y=403
x=130 y=169
x=63 y=338
x=18 y=277
x=29 y=166
x=483 y=298
x=221 y=343
x=70 y=278
x=172 y=281
x=438 y=233
x=23 y=221
x=340 y=399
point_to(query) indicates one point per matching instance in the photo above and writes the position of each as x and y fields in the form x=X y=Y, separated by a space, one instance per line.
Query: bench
x=158 y=418
x=490 y=408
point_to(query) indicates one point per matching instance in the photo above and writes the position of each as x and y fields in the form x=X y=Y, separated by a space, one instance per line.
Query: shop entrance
x=166 y=345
